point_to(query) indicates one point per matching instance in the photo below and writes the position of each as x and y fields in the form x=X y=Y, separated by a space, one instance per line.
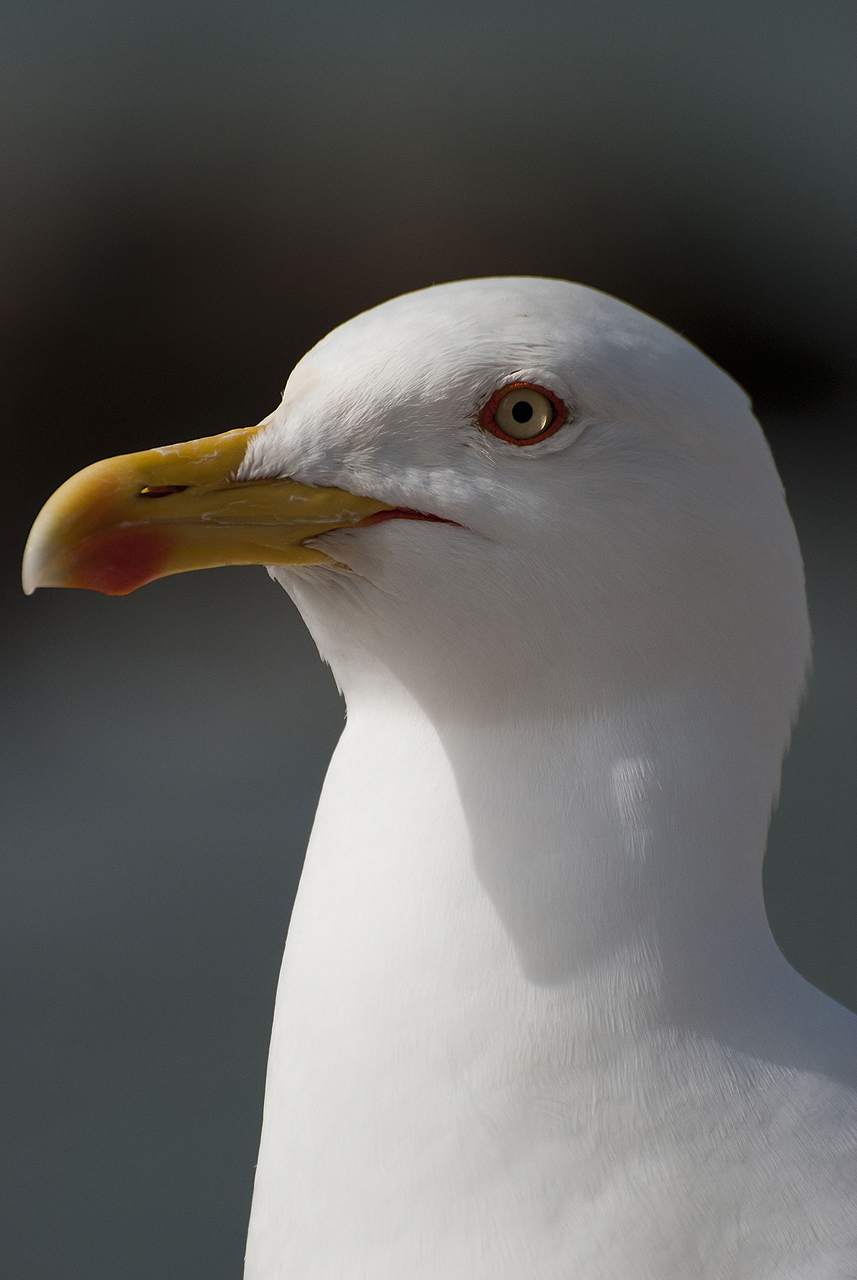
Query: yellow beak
x=126 y=521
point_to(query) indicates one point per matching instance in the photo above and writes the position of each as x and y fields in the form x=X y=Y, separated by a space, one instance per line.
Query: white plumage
x=531 y=1020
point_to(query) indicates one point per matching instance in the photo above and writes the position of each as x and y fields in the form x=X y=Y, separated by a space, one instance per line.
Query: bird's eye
x=522 y=413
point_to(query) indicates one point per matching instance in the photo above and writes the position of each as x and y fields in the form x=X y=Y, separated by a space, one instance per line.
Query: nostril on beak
x=162 y=490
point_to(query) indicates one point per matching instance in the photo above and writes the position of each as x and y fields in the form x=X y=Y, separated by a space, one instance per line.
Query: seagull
x=531 y=1020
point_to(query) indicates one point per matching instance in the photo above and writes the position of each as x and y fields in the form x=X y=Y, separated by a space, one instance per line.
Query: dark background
x=192 y=194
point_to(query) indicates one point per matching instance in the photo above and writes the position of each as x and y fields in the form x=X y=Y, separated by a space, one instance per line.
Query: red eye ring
x=488 y=422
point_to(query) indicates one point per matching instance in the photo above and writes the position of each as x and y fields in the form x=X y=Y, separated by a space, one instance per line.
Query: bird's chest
x=435 y=1111
x=440 y=1160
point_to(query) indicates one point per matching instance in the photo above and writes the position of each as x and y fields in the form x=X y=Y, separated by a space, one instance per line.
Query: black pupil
x=522 y=411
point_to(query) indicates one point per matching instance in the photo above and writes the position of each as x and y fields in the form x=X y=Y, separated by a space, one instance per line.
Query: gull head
x=503 y=496
x=633 y=534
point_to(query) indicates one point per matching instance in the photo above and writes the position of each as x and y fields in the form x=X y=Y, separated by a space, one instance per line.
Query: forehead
x=423 y=342
x=457 y=342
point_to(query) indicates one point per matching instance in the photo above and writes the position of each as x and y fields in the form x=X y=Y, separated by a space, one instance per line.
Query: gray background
x=191 y=195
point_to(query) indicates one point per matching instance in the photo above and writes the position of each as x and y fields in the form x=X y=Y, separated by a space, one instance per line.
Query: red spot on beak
x=118 y=562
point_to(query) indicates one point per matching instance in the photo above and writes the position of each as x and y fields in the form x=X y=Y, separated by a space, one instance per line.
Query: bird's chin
x=346 y=551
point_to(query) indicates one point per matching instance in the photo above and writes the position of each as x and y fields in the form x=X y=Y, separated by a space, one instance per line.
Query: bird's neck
x=503 y=932
x=615 y=856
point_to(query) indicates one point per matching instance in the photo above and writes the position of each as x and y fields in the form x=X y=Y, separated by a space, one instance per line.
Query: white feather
x=531 y=1020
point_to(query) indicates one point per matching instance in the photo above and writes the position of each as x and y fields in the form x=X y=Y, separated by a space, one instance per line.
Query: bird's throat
x=494 y=921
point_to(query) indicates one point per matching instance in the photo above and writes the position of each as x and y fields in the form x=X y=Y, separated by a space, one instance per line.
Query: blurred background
x=191 y=194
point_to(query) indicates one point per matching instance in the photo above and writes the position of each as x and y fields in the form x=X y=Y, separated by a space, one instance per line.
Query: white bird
x=531 y=1020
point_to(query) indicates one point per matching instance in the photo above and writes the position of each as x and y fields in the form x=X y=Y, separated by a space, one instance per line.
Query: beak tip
x=30 y=569
x=39 y=567
x=40 y=549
